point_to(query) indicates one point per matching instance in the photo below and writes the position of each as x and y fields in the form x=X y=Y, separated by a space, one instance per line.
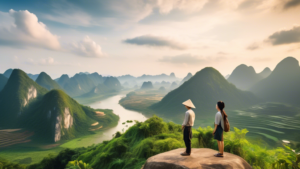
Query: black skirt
x=219 y=133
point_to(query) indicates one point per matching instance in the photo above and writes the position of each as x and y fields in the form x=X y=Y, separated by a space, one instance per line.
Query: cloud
x=43 y=62
x=291 y=3
x=285 y=36
x=188 y=59
x=166 y=6
x=156 y=41
x=70 y=17
x=253 y=46
x=22 y=29
x=87 y=48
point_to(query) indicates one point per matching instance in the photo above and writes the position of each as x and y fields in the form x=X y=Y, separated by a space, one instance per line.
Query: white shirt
x=189 y=118
x=218 y=119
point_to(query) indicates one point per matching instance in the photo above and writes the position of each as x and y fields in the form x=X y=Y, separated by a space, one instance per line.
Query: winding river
x=124 y=114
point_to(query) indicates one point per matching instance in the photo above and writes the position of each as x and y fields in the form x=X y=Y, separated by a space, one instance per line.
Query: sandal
x=184 y=154
x=218 y=155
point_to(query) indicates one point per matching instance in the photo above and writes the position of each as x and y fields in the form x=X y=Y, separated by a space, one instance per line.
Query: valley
x=36 y=152
x=46 y=120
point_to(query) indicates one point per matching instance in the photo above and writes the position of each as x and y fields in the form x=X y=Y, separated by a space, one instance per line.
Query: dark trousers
x=187 y=136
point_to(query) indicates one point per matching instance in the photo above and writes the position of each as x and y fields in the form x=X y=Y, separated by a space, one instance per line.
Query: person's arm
x=185 y=121
x=217 y=121
x=215 y=128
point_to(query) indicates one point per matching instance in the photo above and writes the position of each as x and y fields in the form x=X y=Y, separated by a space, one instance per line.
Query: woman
x=219 y=127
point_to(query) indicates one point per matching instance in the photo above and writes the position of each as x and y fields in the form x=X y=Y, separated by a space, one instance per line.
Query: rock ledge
x=201 y=158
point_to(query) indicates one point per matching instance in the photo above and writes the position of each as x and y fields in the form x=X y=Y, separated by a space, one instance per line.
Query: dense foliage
x=4 y=164
x=132 y=148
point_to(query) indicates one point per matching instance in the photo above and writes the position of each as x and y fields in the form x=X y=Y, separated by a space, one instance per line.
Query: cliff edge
x=201 y=158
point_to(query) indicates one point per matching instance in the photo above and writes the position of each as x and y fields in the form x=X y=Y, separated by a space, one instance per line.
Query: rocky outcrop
x=202 y=158
x=67 y=120
x=32 y=93
x=57 y=129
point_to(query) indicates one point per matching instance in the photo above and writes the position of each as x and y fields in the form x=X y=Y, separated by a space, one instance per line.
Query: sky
x=137 y=37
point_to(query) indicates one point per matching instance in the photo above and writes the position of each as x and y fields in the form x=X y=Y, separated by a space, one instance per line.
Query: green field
x=34 y=153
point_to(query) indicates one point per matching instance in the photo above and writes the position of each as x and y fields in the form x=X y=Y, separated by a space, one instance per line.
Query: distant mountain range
x=205 y=88
x=282 y=85
x=51 y=115
x=147 y=85
x=186 y=78
x=131 y=80
x=244 y=77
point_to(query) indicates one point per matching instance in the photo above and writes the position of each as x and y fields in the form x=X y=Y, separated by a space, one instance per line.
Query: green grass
x=145 y=139
x=36 y=154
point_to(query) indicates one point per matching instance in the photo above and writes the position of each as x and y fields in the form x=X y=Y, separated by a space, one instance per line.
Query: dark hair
x=221 y=106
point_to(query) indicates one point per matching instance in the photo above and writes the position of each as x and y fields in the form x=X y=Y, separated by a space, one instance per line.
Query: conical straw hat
x=189 y=103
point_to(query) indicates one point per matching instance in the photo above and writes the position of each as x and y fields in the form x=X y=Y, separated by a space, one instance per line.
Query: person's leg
x=185 y=138
x=189 y=143
x=222 y=147
x=219 y=146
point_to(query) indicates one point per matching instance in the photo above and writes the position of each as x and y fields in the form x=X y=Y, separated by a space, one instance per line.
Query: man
x=187 y=126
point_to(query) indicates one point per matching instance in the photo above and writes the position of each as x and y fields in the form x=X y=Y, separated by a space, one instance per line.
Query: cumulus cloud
x=288 y=36
x=22 y=29
x=156 y=41
x=188 y=59
x=87 y=48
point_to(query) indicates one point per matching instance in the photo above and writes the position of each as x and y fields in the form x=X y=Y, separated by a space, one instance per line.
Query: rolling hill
x=45 y=81
x=282 y=85
x=3 y=81
x=18 y=92
x=205 y=88
x=244 y=77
